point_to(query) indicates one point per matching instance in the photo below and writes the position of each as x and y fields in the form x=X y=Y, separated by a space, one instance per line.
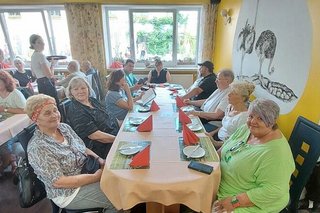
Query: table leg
x=153 y=207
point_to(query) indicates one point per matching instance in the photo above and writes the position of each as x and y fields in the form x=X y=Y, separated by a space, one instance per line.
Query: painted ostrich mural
x=266 y=48
x=245 y=42
x=246 y=39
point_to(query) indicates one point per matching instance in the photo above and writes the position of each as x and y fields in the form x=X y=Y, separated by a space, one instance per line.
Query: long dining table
x=168 y=181
x=12 y=124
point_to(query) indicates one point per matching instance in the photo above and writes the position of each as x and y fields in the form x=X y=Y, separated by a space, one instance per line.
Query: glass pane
x=187 y=37
x=153 y=35
x=61 y=35
x=119 y=37
x=4 y=48
x=20 y=29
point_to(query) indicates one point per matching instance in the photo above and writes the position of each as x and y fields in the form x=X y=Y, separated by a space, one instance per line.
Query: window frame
x=47 y=23
x=151 y=8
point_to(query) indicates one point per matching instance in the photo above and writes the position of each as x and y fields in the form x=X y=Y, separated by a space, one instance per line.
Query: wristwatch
x=235 y=202
x=5 y=109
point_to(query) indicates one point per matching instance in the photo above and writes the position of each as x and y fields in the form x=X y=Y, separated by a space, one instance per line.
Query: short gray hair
x=227 y=73
x=75 y=81
x=18 y=60
x=267 y=110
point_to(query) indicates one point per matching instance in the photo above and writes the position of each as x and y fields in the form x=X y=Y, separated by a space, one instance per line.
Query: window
x=144 y=33
x=18 y=23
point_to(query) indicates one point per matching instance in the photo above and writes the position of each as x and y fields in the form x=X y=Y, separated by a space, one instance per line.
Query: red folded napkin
x=154 y=106
x=189 y=138
x=183 y=117
x=142 y=159
x=146 y=126
x=179 y=102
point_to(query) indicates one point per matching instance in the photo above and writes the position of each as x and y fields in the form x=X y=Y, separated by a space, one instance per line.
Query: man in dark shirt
x=206 y=86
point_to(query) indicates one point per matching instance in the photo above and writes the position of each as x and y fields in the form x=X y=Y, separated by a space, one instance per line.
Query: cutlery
x=193 y=151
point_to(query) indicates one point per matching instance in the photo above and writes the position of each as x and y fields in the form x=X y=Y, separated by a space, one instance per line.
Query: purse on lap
x=31 y=190
x=91 y=165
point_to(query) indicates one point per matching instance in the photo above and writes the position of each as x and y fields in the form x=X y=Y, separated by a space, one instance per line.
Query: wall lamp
x=226 y=15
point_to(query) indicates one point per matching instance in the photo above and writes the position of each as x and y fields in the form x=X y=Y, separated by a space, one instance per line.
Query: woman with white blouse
x=236 y=113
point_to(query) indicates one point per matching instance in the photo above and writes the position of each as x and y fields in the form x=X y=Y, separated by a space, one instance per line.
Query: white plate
x=194 y=127
x=199 y=153
x=136 y=120
x=187 y=108
x=129 y=149
x=144 y=109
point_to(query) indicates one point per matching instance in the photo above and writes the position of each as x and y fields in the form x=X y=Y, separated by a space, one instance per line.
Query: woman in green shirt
x=256 y=164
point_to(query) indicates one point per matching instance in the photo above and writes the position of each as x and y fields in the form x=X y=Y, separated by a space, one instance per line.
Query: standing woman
x=42 y=69
x=159 y=75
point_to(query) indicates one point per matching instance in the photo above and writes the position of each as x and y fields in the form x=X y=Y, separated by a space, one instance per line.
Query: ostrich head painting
x=266 y=48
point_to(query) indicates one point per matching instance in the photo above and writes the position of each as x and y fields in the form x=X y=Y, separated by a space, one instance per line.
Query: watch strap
x=235 y=202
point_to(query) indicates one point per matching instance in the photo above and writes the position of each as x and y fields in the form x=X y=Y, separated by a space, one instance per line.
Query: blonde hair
x=243 y=88
x=75 y=82
x=36 y=101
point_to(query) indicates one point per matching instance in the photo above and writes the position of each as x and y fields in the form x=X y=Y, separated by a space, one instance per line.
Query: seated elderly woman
x=57 y=154
x=11 y=99
x=22 y=75
x=90 y=120
x=256 y=164
x=159 y=74
x=118 y=98
x=236 y=113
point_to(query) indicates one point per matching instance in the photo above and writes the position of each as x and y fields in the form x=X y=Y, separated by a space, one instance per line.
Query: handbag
x=91 y=165
x=31 y=190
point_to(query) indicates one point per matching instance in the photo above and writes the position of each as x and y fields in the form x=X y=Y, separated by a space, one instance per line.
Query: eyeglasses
x=234 y=150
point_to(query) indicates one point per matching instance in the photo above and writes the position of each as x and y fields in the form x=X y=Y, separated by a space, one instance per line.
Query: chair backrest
x=97 y=86
x=63 y=107
x=305 y=146
x=25 y=135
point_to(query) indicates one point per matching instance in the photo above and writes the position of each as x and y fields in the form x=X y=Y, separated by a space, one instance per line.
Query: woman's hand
x=98 y=174
x=187 y=101
x=223 y=206
x=102 y=162
x=126 y=88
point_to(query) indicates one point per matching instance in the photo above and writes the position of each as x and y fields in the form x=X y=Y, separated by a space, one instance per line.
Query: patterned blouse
x=51 y=160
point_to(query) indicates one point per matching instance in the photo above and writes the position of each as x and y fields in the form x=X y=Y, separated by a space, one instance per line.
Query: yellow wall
x=309 y=104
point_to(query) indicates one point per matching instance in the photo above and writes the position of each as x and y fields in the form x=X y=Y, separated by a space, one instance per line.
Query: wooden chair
x=305 y=146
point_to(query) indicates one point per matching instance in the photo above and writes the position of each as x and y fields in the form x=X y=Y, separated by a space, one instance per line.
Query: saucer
x=144 y=109
x=136 y=120
x=129 y=149
x=189 y=151
x=194 y=127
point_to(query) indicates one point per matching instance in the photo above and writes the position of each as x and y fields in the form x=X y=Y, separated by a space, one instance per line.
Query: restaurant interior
x=273 y=44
